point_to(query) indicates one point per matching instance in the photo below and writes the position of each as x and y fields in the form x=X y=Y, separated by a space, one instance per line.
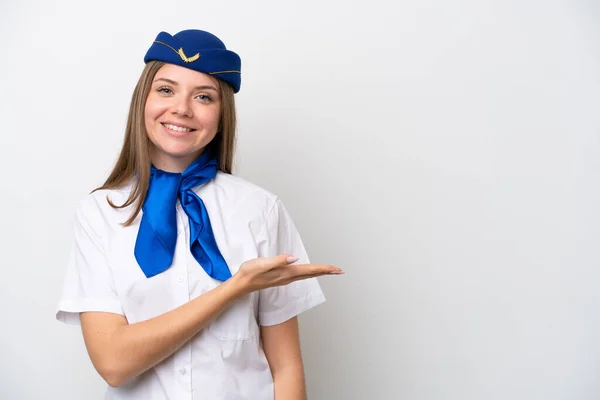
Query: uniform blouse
x=225 y=360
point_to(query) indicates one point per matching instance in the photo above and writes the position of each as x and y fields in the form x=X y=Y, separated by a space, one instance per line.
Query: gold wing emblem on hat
x=186 y=58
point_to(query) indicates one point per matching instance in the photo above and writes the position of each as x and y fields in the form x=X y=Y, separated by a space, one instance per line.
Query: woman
x=186 y=280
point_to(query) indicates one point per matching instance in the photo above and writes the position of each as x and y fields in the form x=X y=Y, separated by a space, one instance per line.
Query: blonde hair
x=134 y=160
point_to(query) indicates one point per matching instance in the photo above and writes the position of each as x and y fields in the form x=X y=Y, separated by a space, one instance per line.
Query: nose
x=182 y=107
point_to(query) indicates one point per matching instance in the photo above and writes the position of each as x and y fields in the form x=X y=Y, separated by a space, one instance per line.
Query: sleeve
x=88 y=284
x=279 y=304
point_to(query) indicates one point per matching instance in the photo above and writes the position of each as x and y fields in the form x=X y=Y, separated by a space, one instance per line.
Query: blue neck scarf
x=157 y=236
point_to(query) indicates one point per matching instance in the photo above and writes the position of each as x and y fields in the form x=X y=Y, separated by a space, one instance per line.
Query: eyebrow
x=201 y=87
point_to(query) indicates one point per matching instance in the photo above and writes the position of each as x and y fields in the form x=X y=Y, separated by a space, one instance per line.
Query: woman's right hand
x=262 y=273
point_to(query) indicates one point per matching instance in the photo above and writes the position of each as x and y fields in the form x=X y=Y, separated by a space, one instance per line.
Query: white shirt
x=226 y=359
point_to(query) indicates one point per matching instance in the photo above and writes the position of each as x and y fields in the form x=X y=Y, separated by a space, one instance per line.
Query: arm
x=120 y=351
x=281 y=345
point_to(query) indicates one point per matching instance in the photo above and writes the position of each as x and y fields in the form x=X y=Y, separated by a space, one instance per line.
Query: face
x=182 y=115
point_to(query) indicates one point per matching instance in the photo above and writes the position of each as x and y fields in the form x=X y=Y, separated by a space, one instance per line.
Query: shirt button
x=180 y=279
x=183 y=371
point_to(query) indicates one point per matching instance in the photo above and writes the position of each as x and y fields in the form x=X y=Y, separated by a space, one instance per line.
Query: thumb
x=290 y=259
x=282 y=259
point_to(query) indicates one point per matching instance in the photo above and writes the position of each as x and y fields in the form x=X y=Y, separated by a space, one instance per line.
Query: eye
x=204 y=98
x=164 y=90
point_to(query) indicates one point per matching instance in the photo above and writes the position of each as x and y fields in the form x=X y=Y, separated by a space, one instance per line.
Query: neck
x=174 y=164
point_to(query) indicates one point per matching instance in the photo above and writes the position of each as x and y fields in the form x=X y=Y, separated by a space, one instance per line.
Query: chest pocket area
x=236 y=240
x=239 y=321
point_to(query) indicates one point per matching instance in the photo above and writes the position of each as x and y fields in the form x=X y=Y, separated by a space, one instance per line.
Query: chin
x=178 y=151
x=182 y=154
x=182 y=146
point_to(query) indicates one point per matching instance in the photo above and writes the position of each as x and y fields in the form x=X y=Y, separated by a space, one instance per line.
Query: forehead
x=185 y=76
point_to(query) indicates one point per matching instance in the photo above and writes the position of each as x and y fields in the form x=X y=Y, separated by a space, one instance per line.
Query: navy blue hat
x=200 y=51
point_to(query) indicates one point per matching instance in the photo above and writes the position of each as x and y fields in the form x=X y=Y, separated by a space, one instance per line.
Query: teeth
x=177 y=128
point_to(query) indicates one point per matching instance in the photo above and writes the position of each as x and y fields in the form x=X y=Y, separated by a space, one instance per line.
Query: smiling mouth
x=177 y=128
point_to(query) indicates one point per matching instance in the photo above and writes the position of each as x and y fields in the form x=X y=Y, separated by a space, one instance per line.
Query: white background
x=443 y=153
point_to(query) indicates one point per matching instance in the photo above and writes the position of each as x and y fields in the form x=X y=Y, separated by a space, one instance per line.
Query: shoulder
x=239 y=192
x=241 y=185
x=95 y=207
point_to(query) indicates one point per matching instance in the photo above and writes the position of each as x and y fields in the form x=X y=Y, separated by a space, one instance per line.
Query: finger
x=314 y=275
x=308 y=276
x=312 y=269
x=278 y=261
